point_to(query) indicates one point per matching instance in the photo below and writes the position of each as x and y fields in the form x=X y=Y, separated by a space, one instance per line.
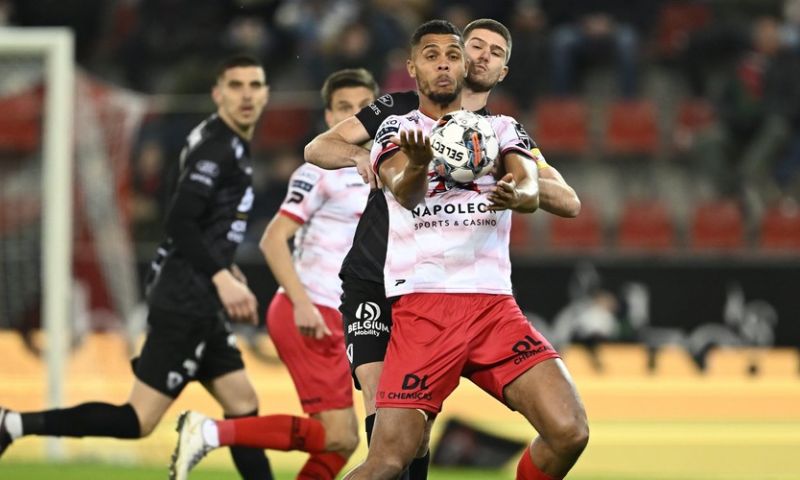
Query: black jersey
x=367 y=256
x=206 y=220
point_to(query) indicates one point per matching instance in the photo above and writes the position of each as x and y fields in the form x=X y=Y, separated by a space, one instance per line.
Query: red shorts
x=319 y=368
x=437 y=338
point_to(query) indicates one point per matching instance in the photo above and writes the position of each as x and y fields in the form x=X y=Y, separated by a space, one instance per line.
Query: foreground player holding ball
x=449 y=265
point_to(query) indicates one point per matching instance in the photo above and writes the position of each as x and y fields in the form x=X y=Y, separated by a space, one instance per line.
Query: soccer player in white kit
x=449 y=265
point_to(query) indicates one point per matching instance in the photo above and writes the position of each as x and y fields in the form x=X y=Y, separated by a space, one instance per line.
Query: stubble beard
x=443 y=99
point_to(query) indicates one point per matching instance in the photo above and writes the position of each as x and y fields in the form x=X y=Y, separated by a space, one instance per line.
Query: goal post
x=56 y=48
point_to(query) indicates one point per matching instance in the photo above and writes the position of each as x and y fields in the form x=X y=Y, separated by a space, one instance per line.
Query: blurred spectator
x=585 y=28
x=529 y=63
x=149 y=192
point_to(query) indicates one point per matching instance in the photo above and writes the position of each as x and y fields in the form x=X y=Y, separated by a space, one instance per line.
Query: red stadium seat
x=646 y=225
x=632 y=128
x=780 y=228
x=283 y=127
x=717 y=225
x=695 y=114
x=581 y=232
x=676 y=21
x=562 y=126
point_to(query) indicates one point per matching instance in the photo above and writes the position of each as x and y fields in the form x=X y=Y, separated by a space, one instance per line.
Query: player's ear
x=216 y=94
x=503 y=73
x=412 y=70
x=328 y=117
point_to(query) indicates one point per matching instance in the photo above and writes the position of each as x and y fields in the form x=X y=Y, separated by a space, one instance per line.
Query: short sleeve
x=513 y=137
x=373 y=115
x=306 y=193
x=383 y=148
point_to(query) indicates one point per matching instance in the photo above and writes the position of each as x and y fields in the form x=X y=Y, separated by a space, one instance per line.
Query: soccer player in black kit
x=194 y=289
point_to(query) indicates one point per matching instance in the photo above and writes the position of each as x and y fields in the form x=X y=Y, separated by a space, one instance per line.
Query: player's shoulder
x=398 y=101
x=214 y=140
x=310 y=172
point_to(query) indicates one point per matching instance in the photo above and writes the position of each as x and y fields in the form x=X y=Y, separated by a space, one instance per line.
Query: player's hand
x=309 y=321
x=416 y=146
x=364 y=167
x=239 y=302
x=238 y=274
x=504 y=195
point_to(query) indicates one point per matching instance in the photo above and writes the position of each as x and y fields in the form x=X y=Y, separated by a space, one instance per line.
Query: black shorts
x=367 y=318
x=181 y=348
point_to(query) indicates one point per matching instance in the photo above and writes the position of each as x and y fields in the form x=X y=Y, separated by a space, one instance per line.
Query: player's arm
x=405 y=173
x=274 y=246
x=340 y=146
x=518 y=190
x=183 y=226
x=555 y=194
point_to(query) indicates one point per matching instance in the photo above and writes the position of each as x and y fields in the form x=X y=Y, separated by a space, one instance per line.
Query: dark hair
x=491 y=25
x=349 y=77
x=435 y=27
x=241 y=60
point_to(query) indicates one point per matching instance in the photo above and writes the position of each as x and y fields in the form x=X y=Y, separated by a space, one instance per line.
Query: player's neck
x=474 y=101
x=247 y=134
x=437 y=110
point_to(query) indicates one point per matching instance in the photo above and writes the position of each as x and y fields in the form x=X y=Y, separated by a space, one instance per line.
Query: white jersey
x=328 y=203
x=450 y=242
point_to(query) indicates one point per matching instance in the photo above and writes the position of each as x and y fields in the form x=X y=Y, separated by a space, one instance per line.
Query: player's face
x=487 y=52
x=346 y=102
x=439 y=66
x=241 y=94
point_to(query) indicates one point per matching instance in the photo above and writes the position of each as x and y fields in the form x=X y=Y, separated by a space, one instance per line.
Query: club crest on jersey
x=386 y=100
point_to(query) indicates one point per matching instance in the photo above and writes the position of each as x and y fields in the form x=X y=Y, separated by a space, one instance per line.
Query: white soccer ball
x=464 y=145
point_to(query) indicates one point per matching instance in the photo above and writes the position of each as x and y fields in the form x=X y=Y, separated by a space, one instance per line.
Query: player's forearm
x=332 y=151
x=409 y=185
x=279 y=259
x=558 y=199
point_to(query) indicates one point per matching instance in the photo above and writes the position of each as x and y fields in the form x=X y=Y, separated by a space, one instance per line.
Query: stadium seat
x=21 y=122
x=581 y=232
x=283 y=127
x=521 y=237
x=646 y=225
x=780 y=228
x=695 y=114
x=561 y=126
x=717 y=225
x=676 y=20
x=631 y=128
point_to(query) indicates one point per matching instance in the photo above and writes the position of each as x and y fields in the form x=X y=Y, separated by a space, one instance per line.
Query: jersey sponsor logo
x=368 y=315
x=527 y=348
x=174 y=380
x=414 y=382
x=399 y=282
x=200 y=178
x=302 y=185
x=450 y=208
x=387 y=100
x=207 y=167
x=368 y=311
x=295 y=197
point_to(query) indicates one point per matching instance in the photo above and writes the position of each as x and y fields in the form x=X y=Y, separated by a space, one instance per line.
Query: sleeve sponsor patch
x=302 y=185
x=207 y=167
x=200 y=178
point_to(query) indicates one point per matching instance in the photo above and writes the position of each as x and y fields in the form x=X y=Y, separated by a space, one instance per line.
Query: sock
x=251 y=463
x=274 y=432
x=13 y=422
x=322 y=466
x=369 y=423
x=418 y=470
x=527 y=470
x=86 y=420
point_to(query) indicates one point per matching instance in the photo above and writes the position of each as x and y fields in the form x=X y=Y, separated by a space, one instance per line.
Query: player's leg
x=161 y=375
x=517 y=365
x=423 y=364
x=398 y=435
x=546 y=396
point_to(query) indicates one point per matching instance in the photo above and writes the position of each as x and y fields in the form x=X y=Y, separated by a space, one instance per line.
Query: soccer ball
x=464 y=145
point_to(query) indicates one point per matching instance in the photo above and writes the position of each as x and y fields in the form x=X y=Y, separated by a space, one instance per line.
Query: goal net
x=67 y=262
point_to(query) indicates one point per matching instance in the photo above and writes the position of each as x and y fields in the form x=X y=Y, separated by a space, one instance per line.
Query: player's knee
x=147 y=425
x=341 y=438
x=570 y=437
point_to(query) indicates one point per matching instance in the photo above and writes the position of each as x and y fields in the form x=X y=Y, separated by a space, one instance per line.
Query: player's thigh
x=368 y=375
x=149 y=405
x=234 y=392
x=546 y=395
